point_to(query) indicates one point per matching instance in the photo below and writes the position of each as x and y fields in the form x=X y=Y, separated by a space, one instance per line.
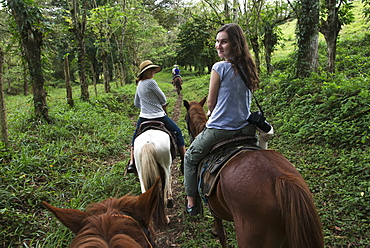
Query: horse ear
x=186 y=104
x=203 y=101
x=148 y=201
x=71 y=218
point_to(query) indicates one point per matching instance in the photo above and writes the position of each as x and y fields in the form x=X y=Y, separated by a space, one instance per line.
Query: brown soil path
x=169 y=238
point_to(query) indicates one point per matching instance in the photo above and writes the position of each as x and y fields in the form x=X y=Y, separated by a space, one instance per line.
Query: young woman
x=229 y=100
x=150 y=99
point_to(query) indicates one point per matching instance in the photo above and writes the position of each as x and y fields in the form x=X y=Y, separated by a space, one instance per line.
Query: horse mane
x=109 y=230
x=124 y=222
x=114 y=223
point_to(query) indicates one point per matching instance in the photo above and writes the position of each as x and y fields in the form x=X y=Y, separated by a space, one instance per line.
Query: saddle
x=158 y=125
x=211 y=166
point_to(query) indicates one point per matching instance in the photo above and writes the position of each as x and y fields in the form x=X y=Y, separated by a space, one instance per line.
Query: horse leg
x=169 y=190
x=166 y=168
x=219 y=230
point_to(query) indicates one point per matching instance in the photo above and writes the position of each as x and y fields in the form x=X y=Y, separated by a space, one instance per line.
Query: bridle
x=146 y=232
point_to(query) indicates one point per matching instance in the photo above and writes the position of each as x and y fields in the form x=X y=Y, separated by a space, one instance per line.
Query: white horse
x=152 y=153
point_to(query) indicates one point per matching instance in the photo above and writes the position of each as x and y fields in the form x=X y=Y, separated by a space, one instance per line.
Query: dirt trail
x=169 y=238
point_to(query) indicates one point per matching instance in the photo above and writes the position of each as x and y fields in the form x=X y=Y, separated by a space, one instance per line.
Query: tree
x=307 y=12
x=272 y=16
x=3 y=122
x=334 y=14
x=29 y=23
x=252 y=24
x=366 y=9
x=79 y=28
x=196 y=40
x=166 y=12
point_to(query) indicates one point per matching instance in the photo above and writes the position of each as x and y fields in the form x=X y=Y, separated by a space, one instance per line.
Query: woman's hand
x=164 y=107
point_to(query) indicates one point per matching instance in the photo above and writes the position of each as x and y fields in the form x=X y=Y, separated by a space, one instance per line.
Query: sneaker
x=193 y=211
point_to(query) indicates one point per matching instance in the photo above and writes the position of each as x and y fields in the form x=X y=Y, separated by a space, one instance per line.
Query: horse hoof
x=170 y=203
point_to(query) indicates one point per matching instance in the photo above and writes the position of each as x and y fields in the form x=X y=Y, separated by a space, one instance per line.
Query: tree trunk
x=93 y=72
x=330 y=29
x=3 y=121
x=79 y=31
x=235 y=11
x=269 y=42
x=331 y=42
x=68 y=82
x=308 y=36
x=106 y=72
x=25 y=75
x=25 y=81
x=31 y=39
x=256 y=51
x=227 y=9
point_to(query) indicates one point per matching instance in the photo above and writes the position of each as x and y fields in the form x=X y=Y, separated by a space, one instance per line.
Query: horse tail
x=149 y=165
x=150 y=172
x=302 y=222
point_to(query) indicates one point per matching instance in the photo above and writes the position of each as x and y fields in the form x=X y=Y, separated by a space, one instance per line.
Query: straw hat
x=147 y=64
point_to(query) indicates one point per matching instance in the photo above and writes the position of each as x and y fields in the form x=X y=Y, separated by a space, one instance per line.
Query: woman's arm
x=214 y=86
x=137 y=101
x=158 y=92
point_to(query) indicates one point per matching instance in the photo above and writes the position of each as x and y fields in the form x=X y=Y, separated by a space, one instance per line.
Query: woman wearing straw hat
x=150 y=99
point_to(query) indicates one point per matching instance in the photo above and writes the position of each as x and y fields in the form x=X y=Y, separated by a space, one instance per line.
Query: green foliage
x=196 y=41
x=366 y=9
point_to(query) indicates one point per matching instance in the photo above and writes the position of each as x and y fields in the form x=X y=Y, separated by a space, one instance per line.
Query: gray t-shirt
x=233 y=101
x=149 y=98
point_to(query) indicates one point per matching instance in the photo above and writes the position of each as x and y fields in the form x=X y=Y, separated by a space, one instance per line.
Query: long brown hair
x=241 y=55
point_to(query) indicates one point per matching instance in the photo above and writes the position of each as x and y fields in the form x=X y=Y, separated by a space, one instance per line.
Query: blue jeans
x=168 y=123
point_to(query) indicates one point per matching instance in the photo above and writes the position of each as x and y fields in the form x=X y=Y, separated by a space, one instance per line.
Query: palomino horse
x=177 y=82
x=152 y=153
x=263 y=194
x=125 y=222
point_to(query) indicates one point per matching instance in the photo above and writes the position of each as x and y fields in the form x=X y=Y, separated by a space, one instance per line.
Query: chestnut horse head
x=198 y=118
x=263 y=194
x=124 y=222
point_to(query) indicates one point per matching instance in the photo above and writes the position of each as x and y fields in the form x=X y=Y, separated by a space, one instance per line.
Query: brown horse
x=263 y=194
x=125 y=222
x=177 y=82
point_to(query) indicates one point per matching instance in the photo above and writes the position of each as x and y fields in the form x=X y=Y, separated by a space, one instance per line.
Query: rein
x=145 y=231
